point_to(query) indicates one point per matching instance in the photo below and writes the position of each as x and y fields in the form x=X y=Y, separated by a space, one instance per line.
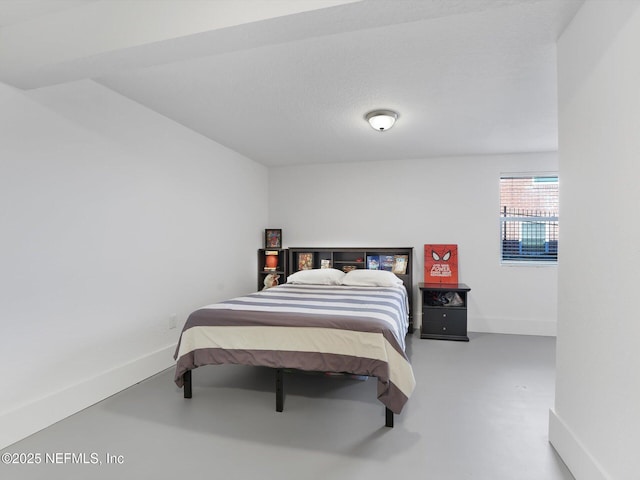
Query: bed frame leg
x=279 y=390
x=186 y=378
x=388 y=418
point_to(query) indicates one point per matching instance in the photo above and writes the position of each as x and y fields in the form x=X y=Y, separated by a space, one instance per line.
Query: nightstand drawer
x=445 y=321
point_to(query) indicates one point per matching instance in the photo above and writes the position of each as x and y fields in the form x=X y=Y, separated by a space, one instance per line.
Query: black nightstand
x=444 y=311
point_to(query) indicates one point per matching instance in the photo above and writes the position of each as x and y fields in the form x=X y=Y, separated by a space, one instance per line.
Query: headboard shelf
x=396 y=259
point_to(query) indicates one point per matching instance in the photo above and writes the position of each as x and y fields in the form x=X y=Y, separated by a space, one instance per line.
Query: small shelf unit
x=281 y=268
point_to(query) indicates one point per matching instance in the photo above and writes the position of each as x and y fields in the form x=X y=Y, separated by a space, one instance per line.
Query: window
x=529 y=218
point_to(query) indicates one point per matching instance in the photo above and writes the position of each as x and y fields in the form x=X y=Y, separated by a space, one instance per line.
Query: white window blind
x=529 y=218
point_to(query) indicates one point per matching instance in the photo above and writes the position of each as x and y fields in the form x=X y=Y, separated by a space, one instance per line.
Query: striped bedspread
x=358 y=330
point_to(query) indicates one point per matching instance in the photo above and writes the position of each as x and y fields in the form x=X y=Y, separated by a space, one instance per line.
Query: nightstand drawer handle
x=444 y=315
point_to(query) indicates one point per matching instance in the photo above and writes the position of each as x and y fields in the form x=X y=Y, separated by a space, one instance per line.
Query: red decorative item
x=271 y=262
x=441 y=264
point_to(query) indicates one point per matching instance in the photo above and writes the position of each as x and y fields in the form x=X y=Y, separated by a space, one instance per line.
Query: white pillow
x=371 y=278
x=317 y=276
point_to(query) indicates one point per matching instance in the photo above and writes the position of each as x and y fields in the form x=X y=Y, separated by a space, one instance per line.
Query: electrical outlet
x=173 y=321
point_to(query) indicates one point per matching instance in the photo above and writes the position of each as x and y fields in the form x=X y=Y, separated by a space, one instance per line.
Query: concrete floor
x=480 y=411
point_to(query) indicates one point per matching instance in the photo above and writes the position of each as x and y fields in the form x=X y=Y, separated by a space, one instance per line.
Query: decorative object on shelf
x=273 y=238
x=381 y=120
x=400 y=264
x=441 y=263
x=271 y=260
x=325 y=263
x=270 y=280
x=348 y=268
x=305 y=261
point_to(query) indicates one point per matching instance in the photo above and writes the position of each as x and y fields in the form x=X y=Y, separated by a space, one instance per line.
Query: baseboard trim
x=573 y=453
x=509 y=326
x=34 y=416
x=544 y=328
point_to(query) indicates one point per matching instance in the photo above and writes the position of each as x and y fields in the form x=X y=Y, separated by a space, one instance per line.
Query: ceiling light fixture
x=381 y=120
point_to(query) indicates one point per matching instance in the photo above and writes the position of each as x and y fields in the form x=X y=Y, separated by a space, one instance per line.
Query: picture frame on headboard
x=273 y=238
x=400 y=264
x=305 y=261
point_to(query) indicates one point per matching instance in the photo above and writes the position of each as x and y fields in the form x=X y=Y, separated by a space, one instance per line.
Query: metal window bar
x=529 y=235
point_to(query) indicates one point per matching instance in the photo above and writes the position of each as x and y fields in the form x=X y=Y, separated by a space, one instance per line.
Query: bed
x=320 y=320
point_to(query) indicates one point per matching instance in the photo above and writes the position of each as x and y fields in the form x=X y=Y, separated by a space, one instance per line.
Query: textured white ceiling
x=465 y=76
x=18 y=11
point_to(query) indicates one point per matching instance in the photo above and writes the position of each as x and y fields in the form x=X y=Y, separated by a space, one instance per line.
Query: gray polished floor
x=480 y=411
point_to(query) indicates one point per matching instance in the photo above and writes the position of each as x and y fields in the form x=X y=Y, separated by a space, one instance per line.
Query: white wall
x=113 y=219
x=413 y=202
x=595 y=423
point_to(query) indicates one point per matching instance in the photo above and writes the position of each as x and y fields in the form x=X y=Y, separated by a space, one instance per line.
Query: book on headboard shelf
x=386 y=262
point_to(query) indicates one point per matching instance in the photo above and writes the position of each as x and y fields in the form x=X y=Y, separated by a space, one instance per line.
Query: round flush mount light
x=381 y=120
